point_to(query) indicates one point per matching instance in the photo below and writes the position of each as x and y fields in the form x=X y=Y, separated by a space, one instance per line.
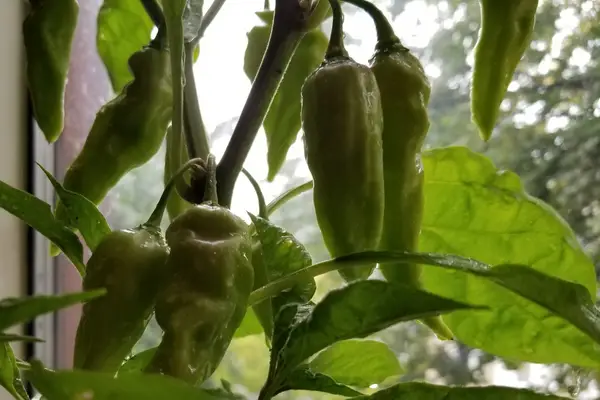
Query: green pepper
x=131 y=265
x=405 y=91
x=282 y=122
x=343 y=121
x=506 y=29
x=128 y=130
x=48 y=32
x=205 y=297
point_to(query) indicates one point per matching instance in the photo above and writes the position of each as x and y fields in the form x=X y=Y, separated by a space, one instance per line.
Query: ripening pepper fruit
x=506 y=29
x=405 y=91
x=128 y=130
x=343 y=121
x=282 y=122
x=130 y=264
x=48 y=32
x=204 y=299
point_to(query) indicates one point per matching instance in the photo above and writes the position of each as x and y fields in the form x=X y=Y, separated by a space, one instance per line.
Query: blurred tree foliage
x=549 y=133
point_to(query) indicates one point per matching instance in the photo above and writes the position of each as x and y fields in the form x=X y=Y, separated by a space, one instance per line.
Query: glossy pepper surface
x=128 y=130
x=130 y=264
x=405 y=91
x=48 y=32
x=342 y=120
x=506 y=29
x=205 y=298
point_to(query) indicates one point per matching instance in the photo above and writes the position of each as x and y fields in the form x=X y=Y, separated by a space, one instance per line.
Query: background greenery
x=549 y=135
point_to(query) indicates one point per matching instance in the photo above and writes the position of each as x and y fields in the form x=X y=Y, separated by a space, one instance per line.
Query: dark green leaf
x=101 y=386
x=359 y=363
x=137 y=362
x=123 y=28
x=304 y=379
x=82 y=214
x=11 y=337
x=38 y=214
x=10 y=378
x=426 y=391
x=282 y=254
x=358 y=310
x=282 y=122
x=250 y=325
x=15 y=311
x=474 y=210
x=552 y=301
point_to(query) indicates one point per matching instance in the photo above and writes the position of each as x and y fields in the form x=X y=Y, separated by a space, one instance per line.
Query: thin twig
x=208 y=18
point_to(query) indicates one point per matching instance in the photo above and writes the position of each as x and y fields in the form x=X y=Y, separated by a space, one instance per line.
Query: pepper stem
x=262 y=205
x=336 y=48
x=386 y=37
x=157 y=215
x=210 y=191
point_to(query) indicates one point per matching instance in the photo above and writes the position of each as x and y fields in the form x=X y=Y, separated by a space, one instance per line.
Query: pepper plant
x=525 y=290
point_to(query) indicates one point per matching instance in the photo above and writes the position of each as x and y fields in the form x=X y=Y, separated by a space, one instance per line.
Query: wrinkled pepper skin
x=205 y=299
x=131 y=265
x=128 y=131
x=48 y=32
x=342 y=121
x=405 y=92
x=505 y=34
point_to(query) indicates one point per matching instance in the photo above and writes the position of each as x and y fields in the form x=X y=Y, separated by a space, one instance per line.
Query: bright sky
x=223 y=87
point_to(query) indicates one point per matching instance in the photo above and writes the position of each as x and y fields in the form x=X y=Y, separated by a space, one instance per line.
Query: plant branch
x=194 y=130
x=154 y=12
x=208 y=18
x=288 y=28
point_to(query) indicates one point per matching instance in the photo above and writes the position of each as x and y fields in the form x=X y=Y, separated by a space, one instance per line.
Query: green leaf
x=123 y=28
x=15 y=311
x=359 y=363
x=282 y=122
x=38 y=214
x=250 y=325
x=559 y=302
x=284 y=254
x=137 y=362
x=305 y=379
x=426 y=391
x=11 y=337
x=281 y=254
x=82 y=214
x=355 y=311
x=101 y=386
x=10 y=378
x=474 y=210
